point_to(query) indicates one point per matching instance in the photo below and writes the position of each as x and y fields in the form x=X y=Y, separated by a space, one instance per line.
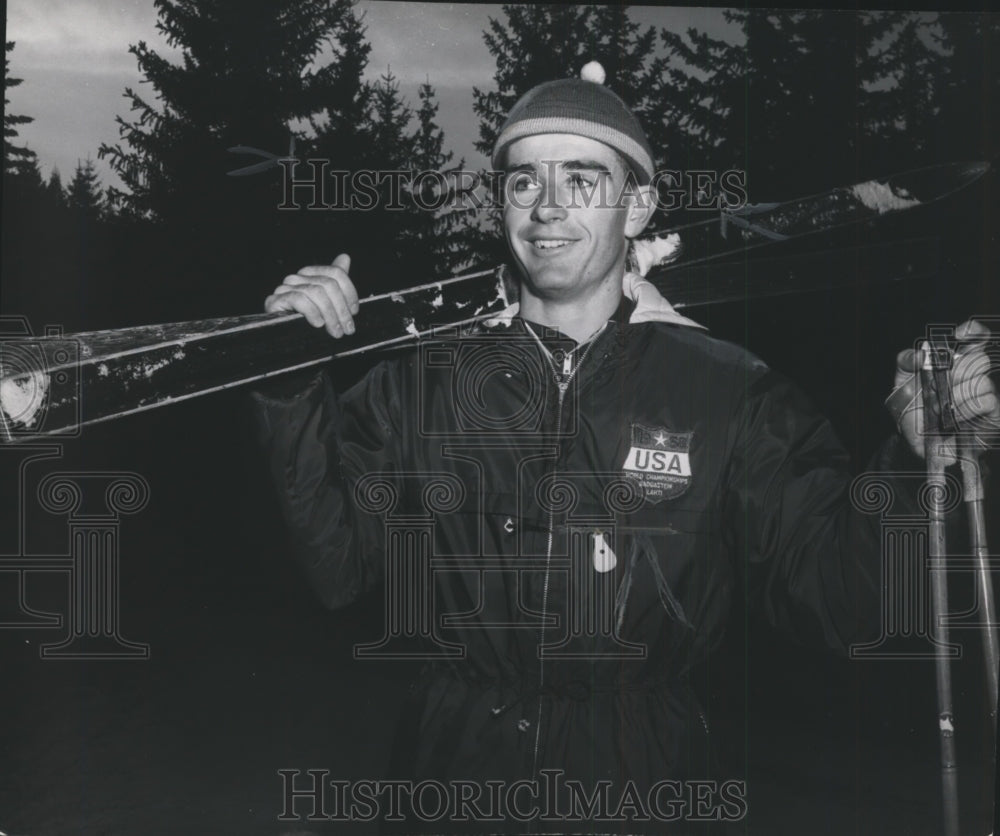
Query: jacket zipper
x=562 y=386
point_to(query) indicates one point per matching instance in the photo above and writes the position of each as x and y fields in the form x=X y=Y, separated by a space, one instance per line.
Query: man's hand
x=973 y=395
x=324 y=295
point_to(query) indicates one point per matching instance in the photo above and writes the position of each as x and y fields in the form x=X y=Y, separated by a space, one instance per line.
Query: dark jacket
x=611 y=525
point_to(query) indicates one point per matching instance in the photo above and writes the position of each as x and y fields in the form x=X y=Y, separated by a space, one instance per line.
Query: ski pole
x=938 y=417
x=974 y=496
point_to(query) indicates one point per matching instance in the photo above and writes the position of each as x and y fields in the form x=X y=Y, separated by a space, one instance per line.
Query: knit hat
x=582 y=106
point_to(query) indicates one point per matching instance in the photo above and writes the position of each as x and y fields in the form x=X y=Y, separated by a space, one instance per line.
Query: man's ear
x=641 y=204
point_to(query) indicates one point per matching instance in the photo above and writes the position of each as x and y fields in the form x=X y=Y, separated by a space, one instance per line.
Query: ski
x=57 y=384
x=754 y=225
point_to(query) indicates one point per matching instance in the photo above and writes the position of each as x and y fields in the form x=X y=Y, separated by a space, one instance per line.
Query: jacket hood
x=650 y=306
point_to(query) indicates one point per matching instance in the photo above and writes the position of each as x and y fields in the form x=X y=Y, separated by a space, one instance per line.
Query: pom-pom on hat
x=582 y=106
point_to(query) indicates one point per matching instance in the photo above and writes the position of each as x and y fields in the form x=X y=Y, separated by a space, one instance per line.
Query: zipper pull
x=604 y=558
x=567 y=368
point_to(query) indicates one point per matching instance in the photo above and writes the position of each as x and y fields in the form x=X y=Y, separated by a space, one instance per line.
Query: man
x=617 y=477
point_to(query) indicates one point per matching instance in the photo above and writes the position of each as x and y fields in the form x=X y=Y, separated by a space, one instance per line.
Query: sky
x=73 y=58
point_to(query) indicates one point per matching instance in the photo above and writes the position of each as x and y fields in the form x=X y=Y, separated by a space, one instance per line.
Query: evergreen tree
x=969 y=86
x=28 y=234
x=338 y=131
x=25 y=236
x=797 y=103
x=429 y=151
x=793 y=125
x=340 y=140
x=437 y=238
x=906 y=105
x=877 y=109
x=55 y=250
x=84 y=194
x=700 y=99
x=54 y=192
x=394 y=240
x=388 y=149
x=17 y=159
x=253 y=74
x=247 y=75
x=390 y=117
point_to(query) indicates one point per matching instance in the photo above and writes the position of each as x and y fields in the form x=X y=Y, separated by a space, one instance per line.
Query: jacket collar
x=650 y=306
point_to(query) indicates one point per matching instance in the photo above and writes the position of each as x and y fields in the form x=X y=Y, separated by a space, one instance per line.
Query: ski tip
x=980 y=167
x=930 y=183
x=971 y=172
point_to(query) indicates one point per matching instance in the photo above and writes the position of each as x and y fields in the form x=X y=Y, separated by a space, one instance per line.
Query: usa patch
x=659 y=462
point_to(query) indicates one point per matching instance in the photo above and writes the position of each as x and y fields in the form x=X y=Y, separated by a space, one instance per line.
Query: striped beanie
x=582 y=106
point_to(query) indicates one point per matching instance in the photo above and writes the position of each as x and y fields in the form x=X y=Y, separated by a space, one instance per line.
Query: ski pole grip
x=939 y=411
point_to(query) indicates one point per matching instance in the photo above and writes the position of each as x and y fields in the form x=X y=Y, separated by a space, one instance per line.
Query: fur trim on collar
x=650 y=306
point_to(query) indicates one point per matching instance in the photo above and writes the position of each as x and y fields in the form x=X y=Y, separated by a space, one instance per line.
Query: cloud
x=91 y=36
x=679 y=19
x=73 y=112
x=439 y=41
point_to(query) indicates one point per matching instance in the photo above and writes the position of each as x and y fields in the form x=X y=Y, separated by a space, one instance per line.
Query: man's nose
x=551 y=205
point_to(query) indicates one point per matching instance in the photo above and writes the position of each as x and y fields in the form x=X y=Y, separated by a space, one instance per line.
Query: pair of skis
x=57 y=384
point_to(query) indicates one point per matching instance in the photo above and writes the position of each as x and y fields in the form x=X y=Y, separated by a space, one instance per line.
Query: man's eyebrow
x=568 y=165
x=586 y=165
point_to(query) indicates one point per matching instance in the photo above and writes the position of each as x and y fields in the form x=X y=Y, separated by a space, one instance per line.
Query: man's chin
x=550 y=283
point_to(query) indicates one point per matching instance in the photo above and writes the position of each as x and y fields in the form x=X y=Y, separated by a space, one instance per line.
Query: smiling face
x=564 y=224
